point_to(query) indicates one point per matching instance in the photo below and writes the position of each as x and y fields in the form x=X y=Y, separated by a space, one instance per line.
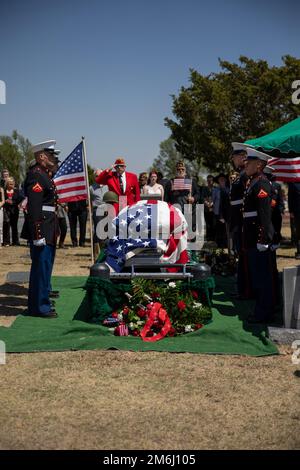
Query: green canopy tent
x=283 y=142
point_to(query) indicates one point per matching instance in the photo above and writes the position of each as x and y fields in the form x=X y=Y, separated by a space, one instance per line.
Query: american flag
x=286 y=170
x=148 y=224
x=70 y=179
x=180 y=184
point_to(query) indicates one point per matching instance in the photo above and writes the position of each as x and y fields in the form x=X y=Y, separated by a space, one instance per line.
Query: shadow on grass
x=231 y=307
x=12 y=298
x=82 y=313
x=13 y=289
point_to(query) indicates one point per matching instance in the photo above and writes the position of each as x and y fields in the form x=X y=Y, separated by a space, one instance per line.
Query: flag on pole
x=286 y=170
x=181 y=184
x=70 y=179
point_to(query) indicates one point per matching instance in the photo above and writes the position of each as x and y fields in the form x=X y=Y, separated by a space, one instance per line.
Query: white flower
x=131 y=325
x=139 y=322
x=120 y=316
x=172 y=284
x=197 y=305
x=188 y=328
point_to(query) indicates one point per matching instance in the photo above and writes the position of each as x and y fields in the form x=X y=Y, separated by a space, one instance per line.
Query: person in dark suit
x=221 y=207
x=209 y=215
x=121 y=182
x=77 y=211
x=184 y=192
x=277 y=203
x=13 y=198
x=41 y=228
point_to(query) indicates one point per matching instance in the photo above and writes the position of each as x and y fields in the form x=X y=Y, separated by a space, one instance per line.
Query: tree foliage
x=169 y=156
x=91 y=176
x=242 y=101
x=15 y=154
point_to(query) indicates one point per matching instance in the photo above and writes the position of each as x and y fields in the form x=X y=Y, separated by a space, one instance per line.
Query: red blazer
x=132 y=191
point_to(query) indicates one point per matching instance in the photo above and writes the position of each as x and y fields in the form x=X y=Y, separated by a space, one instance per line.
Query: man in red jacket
x=124 y=184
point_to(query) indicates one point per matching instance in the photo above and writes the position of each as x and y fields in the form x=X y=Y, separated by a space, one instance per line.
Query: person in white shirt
x=153 y=187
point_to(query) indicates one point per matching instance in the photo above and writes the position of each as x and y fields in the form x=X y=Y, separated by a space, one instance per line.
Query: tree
x=242 y=101
x=91 y=176
x=169 y=156
x=15 y=154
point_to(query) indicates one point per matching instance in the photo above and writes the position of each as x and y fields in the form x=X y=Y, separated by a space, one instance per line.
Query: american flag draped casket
x=148 y=224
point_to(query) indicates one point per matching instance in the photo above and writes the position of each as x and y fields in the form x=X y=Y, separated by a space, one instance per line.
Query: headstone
x=291 y=297
x=21 y=277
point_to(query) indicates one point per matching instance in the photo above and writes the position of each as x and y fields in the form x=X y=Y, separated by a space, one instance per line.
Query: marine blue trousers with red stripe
x=42 y=258
x=263 y=283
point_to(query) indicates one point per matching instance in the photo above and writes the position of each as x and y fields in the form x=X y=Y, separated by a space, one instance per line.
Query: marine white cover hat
x=48 y=145
x=253 y=153
x=237 y=146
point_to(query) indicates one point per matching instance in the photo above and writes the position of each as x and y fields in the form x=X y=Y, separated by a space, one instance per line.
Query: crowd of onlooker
x=214 y=195
x=10 y=199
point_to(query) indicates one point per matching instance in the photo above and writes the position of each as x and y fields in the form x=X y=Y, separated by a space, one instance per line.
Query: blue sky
x=106 y=69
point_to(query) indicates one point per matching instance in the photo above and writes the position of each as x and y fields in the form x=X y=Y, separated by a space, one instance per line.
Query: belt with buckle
x=249 y=214
x=48 y=208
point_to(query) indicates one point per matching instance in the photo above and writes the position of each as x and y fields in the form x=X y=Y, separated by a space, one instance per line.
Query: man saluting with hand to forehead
x=121 y=182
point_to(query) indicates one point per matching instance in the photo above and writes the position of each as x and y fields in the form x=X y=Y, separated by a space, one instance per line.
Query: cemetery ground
x=148 y=400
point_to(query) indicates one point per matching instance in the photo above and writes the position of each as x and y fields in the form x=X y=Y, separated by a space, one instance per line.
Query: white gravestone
x=291 y=297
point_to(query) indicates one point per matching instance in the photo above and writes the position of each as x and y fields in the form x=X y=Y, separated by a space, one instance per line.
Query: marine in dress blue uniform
x=257 y=236
x=277 y=207
x=41 y=227
x=236 y=196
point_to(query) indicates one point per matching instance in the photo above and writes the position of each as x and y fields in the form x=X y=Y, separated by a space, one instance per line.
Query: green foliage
x=91 y=175
x=167 y=158
x=140 y=288
x=15 y=154
x=242 y=101
x=182 y=308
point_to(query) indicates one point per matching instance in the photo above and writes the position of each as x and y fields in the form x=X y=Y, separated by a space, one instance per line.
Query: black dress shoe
x=51 y=314
x=54 y=294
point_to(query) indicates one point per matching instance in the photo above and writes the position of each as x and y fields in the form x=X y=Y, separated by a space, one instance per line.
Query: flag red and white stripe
x=181 y=184
x=70 y=179
x=286 y=170
x=165 y=229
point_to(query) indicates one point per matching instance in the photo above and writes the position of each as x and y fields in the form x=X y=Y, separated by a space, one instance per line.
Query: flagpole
x=89 y=198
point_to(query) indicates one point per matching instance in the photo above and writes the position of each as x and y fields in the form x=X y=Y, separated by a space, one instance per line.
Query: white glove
x=274 y=247
x=262 y=247
x=41 y=242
